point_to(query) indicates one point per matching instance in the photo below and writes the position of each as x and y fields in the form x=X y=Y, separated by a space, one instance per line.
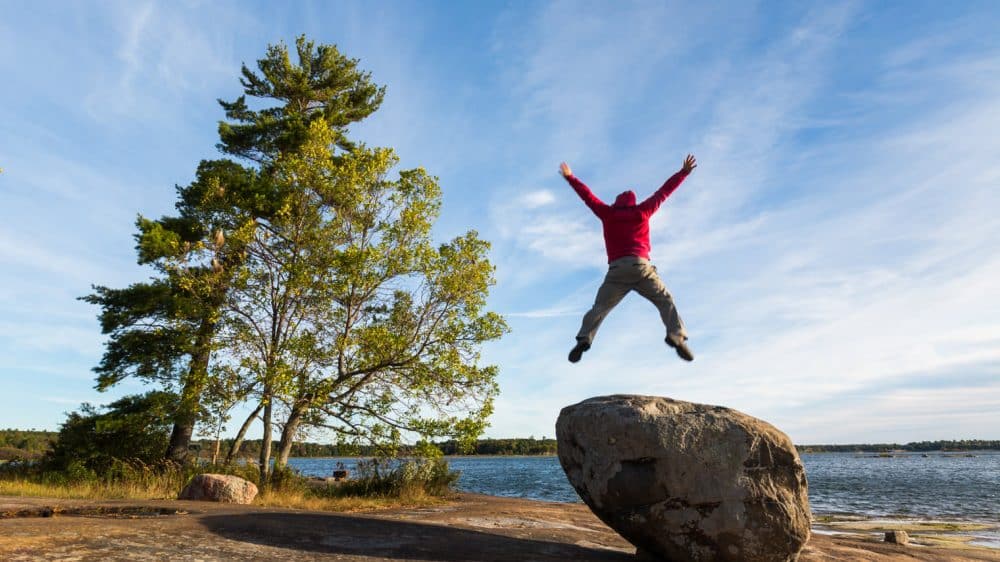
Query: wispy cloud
x=18 y=251
x=546 y=312
x=812 y=258
x=535 y=199
x=164 y=53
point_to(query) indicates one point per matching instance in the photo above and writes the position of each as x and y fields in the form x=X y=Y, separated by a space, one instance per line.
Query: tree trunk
x=218 y=438
x=288 y=433
x=190 y=402
x=265 y=445
x=180 y=440
x=238 y=443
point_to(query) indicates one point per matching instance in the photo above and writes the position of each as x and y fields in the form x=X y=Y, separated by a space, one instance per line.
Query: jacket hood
x=625 y=199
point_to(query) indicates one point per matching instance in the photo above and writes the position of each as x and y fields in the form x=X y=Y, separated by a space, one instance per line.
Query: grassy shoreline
x=291 y=498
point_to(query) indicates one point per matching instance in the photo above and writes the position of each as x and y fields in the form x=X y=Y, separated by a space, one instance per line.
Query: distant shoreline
x=444 y=456
x=943 y=453
x=32 y=444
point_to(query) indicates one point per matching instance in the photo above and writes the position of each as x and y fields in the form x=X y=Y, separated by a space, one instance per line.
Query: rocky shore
x=470 y=527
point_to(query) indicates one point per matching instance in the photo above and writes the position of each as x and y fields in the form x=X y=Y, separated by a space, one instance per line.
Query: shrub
x=286 y=480
x=134 y=428
x=396 y=478
x=15 y=454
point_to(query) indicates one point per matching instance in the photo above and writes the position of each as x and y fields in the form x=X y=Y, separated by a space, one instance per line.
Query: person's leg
x=652 y=288
x=612 y=291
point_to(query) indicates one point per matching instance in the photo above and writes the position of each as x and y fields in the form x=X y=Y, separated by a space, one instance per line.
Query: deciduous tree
x=352 y=316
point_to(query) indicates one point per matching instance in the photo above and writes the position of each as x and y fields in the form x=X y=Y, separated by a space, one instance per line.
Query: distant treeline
x=919 y=446
x=251 y=448
x=31 y=444
x=24 y=443
x=532 y=446
x=529 y=446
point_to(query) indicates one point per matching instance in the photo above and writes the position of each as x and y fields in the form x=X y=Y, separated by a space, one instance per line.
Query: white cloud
x=548 y=312
x=535 y=199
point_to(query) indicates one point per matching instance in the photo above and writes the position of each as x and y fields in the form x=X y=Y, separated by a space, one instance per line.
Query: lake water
x=939 y=486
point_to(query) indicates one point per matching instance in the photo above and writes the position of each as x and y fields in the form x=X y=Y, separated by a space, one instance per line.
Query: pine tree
x=165 y=330
x=308 y=276
x=322 y=84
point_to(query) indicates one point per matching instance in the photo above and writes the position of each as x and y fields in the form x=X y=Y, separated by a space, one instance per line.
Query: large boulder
x=685 y=481
x=223 y=488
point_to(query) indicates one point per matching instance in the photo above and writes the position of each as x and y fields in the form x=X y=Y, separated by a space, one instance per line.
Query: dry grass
x=88 y=490
x=409 y=484
x=168 y=488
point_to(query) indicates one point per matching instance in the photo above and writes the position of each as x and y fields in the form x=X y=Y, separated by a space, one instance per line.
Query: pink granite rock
x=219 y=488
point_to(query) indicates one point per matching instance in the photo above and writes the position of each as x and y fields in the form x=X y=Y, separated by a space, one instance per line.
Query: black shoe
x=682 y=349
x=577 y=351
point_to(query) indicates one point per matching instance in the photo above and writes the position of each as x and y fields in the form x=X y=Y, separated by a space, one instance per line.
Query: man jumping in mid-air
x=626 y=237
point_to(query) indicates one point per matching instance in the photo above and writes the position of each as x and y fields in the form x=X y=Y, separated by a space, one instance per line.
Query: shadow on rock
x=403 y=540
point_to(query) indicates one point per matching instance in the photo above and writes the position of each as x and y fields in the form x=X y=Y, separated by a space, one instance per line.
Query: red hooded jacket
x=626 y=225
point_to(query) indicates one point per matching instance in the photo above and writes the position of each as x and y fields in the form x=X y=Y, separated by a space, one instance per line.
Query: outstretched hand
x=689 y=164
x=564 y=170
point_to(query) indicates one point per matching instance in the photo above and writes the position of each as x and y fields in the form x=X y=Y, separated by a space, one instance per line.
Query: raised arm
x=581 y=189
x=653 y=202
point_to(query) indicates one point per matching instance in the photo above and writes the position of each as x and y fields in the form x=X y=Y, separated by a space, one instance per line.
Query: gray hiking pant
x=625 y=275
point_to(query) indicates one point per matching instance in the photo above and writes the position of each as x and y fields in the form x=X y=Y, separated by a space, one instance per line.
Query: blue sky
x=835 y=255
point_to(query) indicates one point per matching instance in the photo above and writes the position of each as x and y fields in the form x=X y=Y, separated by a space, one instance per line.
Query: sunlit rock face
x=219 y=488
x=685 y=481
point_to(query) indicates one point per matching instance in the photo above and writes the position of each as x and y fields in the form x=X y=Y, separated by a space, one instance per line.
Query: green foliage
x=150 y=330
x=126 y=478
x=132 y=429
x=514 y=446
x=24 y=444
x=322 y=84
x=285 y=479
x=351 y=313
x=529 y=446
x=164 y=331
x=307 y=281
x=395 y=478
x=15 y=454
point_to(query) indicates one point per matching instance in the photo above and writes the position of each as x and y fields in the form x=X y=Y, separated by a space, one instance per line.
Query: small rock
x=222 y=488
x=897 y=537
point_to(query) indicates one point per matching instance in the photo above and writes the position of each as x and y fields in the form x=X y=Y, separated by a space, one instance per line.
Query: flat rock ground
x=472 y=527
